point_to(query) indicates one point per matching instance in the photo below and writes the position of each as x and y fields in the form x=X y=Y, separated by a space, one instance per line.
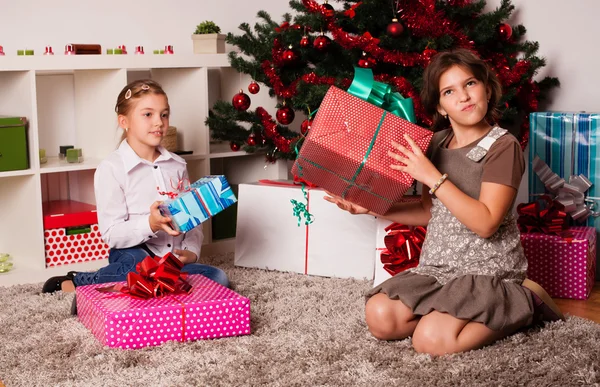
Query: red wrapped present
x=346 y=150
x=564 y=267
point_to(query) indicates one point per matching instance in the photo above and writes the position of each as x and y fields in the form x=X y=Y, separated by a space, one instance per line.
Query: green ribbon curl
x=380 y=94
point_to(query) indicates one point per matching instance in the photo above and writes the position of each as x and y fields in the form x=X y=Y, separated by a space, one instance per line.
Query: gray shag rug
x=306 y=331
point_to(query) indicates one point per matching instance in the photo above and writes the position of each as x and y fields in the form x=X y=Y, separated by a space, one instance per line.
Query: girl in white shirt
x=129 y=185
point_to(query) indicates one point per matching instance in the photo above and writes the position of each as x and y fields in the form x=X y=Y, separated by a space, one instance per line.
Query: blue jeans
x=123 y=261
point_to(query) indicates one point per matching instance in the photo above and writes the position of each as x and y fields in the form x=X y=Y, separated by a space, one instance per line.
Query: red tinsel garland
x=271 y=132
x=423 y=20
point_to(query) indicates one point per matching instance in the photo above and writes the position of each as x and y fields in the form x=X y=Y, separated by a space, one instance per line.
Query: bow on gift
x=183 y=185
x=403 y=247
x=155 y=278
x=571 y=195
x=544 y=215
x=380 y=94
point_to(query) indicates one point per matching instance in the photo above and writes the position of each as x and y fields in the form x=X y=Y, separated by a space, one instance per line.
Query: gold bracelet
x=439 y=182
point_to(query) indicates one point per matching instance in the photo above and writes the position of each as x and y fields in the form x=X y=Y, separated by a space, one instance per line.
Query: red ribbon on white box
x=296 y=185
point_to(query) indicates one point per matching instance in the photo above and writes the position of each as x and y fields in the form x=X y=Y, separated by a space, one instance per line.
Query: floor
x=589 y=308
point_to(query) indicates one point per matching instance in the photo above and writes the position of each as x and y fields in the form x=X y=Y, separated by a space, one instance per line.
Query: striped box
x=205 y=198
x=568 y=143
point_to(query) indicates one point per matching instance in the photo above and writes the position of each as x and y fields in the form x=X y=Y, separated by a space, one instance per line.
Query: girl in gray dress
x=469 y=288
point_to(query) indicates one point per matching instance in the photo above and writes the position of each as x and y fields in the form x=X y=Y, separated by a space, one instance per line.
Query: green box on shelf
x=74 y=155
x=13 y=144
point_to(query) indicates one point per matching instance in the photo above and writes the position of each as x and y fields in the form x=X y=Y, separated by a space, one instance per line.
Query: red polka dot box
x=346 y=151
x=117 y=320
x=563 y=269
x=71 y=233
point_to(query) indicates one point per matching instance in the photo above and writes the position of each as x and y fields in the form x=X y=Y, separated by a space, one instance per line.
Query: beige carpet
x=307 y=331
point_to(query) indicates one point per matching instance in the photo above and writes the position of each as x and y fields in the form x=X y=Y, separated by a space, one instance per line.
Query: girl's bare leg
x=389 y=319
x=440 y=333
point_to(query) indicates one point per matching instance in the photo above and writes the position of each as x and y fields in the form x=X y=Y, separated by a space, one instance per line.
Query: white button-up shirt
x=126 y=186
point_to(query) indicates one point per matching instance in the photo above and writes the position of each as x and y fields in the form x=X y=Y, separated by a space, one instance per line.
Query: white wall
x=564 y=30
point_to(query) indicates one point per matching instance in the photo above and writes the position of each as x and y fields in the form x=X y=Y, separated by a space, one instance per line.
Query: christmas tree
x=300 y=58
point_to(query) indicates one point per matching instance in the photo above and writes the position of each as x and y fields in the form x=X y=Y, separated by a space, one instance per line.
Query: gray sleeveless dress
x=459 y=272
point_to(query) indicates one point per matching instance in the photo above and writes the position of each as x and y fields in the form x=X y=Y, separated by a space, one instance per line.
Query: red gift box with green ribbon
x=346 y=150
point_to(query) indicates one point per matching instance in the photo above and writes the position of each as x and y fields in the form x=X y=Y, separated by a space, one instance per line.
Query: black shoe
x=74 y=306
x=53 y=284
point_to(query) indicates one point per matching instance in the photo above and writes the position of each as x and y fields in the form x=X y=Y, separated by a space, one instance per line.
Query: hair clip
x=145 y=87
x=128 y=94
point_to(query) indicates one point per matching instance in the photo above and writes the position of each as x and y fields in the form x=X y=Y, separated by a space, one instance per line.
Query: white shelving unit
x=69 y=100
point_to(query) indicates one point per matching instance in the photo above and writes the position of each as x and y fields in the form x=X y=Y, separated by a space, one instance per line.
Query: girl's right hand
x=345 y=205
x=159 y=222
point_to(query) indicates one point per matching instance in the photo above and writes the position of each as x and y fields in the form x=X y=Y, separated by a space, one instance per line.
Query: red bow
x=351 y=12
x=370 y=37
x=155 y=278
x=403 y=247
x=183 y=186
x=544 y=215
x=284 y=26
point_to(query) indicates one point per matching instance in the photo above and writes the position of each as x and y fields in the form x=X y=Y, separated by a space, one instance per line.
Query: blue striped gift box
x=568 y=143
x=206 y=198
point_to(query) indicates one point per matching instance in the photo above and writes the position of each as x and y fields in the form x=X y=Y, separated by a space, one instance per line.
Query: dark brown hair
x=441 y=62
x=133 y=92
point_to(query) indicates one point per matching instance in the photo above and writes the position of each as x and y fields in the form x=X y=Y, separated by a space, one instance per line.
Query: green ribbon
x=380 y=94
x=301 y=209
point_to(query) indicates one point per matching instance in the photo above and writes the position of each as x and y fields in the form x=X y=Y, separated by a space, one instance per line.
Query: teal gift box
x=199 y=202
x=569 y=144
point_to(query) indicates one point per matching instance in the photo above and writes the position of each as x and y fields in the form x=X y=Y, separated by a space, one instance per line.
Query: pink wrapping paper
x=564 y=270
x=210 y=311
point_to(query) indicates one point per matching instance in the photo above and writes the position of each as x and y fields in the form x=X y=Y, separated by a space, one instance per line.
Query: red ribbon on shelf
x=403 y=247
x=154 y=278
x=544 y=215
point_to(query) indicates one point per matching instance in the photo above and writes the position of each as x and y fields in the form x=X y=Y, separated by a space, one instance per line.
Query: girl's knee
x=425 y=341
x=433 y=340
x=381 y=318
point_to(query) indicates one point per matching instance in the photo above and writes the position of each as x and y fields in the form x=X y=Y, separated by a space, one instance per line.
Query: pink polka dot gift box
x=209 y=311
x=564 y=269
x=346 y=151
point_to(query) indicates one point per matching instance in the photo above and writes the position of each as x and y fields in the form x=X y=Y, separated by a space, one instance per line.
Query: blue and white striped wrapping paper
x=569 y=144
x=206 y=198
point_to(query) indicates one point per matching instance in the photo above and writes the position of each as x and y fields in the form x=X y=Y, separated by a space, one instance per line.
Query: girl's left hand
x=414 y=162
x=185 y=256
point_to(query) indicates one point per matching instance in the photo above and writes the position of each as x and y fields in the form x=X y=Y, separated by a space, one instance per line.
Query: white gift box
x=336 y=244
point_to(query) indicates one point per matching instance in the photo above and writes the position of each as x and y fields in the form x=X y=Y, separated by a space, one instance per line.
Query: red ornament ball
x=251 y=140
x=289 y=56
x=304 y=42
x=285 y=115
x=253 y=88
x=234 y=146
x=305 y=126
x=395 y=28
x=367 y=61
x=321 y=43
x=504 y=31
x=241 y=101
x=329 y=10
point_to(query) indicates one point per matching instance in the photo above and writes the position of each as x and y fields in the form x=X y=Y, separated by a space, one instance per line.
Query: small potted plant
x=207 y=39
